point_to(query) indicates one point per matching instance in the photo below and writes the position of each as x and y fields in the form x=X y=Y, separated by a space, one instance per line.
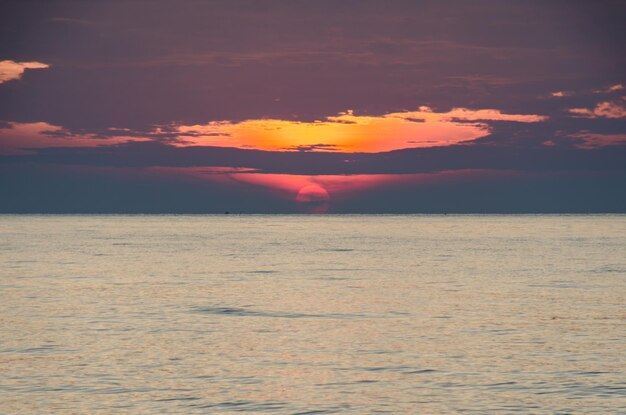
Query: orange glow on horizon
x=318 y=191
x=288 y=186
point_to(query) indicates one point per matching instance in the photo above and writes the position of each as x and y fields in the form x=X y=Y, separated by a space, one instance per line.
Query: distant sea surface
x=312 y=314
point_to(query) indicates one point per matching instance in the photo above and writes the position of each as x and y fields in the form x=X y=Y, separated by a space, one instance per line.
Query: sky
x=313 y=106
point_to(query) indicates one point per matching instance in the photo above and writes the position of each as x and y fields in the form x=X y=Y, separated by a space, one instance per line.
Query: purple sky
x=309 y=106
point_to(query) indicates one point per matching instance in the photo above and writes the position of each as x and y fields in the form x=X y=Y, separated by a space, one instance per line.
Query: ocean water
x=312 y=314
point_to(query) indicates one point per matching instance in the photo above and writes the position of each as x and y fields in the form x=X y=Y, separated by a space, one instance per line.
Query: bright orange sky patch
x=347 y=132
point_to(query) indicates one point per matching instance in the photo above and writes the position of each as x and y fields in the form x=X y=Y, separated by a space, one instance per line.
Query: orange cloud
x=348 y=132
x=11 y=70
x=345 y=132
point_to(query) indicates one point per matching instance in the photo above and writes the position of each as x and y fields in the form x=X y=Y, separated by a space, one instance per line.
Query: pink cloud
x=20 y=137
x=609 y=89
x=605 y=109
x=589 y=140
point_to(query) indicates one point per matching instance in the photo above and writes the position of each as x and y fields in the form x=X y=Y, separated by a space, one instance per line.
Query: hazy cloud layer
x=138 y=64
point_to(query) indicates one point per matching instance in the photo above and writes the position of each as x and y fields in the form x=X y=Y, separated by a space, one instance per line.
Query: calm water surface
x=312 y=314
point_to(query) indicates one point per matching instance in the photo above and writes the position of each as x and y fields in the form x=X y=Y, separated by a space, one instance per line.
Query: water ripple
x=243 y=312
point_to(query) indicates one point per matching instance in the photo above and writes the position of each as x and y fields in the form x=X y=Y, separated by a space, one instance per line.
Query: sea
x=312 y=314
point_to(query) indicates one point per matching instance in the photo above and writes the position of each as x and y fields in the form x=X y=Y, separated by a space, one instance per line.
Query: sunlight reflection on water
x=312 y=314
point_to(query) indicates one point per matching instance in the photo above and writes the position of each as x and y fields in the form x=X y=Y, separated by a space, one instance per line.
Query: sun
x=313 y=198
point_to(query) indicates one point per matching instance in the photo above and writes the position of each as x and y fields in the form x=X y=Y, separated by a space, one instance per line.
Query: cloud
x=348 y=132
x=345 y=132
x=482 y=115
x=11 y=70
x=605 y=109
x=23 y=138
x=559 y=94
x=609 y=89
x=417 y=160
x=617 y=87
x=590 y=140
x=281 y=175
x=314 y=147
